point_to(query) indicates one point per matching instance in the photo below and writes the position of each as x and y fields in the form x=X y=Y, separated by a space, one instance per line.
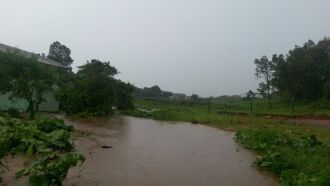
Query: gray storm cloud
x=191 y=46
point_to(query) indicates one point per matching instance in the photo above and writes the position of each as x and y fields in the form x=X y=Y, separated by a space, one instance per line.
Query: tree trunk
x=31 y=110
x=32 y=114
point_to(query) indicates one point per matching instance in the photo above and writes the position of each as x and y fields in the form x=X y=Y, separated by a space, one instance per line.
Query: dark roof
x=41 y=59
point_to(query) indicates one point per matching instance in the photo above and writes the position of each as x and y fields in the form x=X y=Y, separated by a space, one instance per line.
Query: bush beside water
x=47 y=140
x=297 y=159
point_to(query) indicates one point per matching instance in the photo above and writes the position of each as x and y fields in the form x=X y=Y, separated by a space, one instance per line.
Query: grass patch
x=296 y=158
x=319 y=108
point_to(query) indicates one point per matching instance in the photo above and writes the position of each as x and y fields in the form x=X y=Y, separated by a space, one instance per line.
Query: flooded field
x=132 y=151
x=149 y=152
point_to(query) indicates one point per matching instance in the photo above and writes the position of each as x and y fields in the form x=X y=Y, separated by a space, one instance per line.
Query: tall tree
x=264 y=70
x=250 y=95
x=61 y=54
x=123 y=95
x=325 y=44
x=26 y=79
x=92 y=89
x=303 y=74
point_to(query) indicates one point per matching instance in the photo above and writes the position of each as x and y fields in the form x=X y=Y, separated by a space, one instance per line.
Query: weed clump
x=296 y=159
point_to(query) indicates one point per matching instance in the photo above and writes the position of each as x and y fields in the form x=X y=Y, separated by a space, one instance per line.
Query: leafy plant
x=50 y=124
x=51 y=169
x=41 y=139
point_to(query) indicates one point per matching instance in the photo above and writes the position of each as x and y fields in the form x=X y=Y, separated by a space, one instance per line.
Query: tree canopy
x=152 y=92
x=264 y=69
x=303 y=73
x=61 y=54
x=94 y=90
x=123 y=95
x=25 y=78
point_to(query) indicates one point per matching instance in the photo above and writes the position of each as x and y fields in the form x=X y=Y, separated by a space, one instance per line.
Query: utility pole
x=208 y=105
x=251 y=104
x=292 y=105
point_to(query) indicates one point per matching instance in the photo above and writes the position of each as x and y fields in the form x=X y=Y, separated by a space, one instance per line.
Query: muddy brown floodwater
x=148 y=152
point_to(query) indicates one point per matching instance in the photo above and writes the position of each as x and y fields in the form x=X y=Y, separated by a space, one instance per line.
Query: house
x=50 y=105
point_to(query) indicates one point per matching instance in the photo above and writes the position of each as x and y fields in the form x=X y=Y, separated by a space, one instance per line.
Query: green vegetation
x=25 y=78
x=49 y=141
x=91 y=90
x=297 y=159
x=51 y=169
x=152 y=92
x=221 y=111
x=11 y=112
x=208 y=110
x=46 y=140
x=61 y=54
x=123 y=95
x=94 y=90
x=302 y=74
x=296 y=84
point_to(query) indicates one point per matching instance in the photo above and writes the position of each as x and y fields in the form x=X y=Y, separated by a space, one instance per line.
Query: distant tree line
x=152 y=92
x=302 y=74
x=157 y=93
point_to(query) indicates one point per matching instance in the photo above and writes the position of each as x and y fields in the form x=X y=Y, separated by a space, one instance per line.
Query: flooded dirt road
x=149 y=152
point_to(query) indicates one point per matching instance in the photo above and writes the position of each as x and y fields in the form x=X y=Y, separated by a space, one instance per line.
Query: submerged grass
x=297 y=154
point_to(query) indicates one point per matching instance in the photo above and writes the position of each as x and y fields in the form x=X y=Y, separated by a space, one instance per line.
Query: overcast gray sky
x=191 y=46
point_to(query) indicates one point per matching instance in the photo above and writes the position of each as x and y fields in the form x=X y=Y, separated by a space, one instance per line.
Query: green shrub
x=59 y=139
x=15 y=113
x=288 y=155
x=42 y=139
x=326 y=90
x=51 y=170
x=50 y=124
